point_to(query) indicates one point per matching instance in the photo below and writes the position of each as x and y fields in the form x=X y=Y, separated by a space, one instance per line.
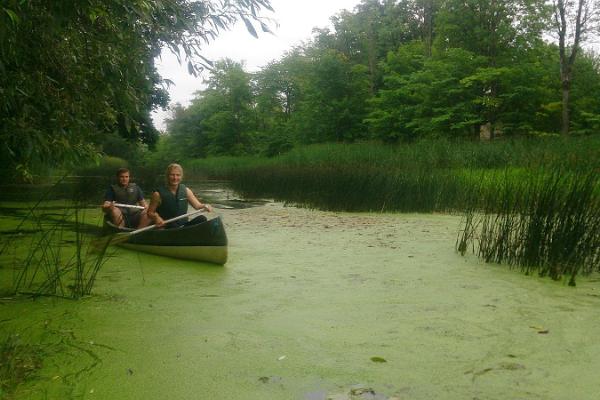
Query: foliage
x=72 y=72
x=220 y=119
x=548 y=222
x=19 y=362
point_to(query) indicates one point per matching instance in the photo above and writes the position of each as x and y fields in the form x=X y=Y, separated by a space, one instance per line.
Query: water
x=315 y=305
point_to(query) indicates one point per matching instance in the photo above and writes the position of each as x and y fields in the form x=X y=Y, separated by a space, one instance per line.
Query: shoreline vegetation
x=530 y=204
x=533 y=204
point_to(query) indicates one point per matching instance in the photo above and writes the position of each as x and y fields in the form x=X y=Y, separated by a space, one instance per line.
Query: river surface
x=316 y=305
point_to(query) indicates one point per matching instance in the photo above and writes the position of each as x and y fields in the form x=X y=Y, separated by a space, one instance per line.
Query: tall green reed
x=61 y=260
x=548 y=223
x=52 y=251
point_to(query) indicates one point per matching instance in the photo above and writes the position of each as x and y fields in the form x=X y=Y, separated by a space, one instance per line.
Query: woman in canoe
x=172 y=200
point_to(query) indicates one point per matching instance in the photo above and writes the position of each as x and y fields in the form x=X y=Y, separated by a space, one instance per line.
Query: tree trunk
x=580 y=18
x=566 y=90
x=428 y=26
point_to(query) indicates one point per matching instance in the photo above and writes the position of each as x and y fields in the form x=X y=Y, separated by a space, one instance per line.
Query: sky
x=296 y=20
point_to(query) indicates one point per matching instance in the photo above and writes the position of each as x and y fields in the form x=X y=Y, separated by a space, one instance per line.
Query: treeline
x=397 y=71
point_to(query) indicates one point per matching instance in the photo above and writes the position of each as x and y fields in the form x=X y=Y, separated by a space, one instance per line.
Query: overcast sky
x=296 y=19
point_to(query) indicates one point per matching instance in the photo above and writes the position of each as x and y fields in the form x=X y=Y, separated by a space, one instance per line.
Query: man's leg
x=144 y=220
x=116 y=216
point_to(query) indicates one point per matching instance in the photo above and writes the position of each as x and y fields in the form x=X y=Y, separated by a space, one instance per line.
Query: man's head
x=123 y=176
x=174 y=174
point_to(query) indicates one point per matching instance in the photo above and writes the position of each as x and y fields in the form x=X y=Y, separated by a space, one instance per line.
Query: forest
x=399 y=71
x=78 y=80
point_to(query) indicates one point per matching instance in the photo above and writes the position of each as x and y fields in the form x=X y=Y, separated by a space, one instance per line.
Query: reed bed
x=52 y=249
x=548 y=223
x=530 y=203
x=61 y=258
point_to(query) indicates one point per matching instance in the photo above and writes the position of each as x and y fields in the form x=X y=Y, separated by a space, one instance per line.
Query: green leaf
x=249 y=27
x=12 y=15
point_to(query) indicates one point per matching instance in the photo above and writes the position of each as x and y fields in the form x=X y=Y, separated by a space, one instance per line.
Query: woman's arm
x=195 y=203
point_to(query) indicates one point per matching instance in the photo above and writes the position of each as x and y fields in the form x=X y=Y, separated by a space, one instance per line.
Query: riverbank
x=317 y=305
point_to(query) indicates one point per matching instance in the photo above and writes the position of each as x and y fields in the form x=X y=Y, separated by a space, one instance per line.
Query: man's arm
x=194 y=202
x=140 y=198
x=109 y=199
x=152 y=214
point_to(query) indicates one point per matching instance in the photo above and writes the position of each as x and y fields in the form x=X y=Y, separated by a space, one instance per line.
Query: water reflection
x=90 y=190
x=220 y=195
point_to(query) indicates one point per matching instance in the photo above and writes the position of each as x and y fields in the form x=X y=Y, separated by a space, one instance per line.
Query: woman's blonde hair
x=172 y=167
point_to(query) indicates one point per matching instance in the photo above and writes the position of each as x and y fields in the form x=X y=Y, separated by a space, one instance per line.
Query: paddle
x=128 y=206
x=123 y=236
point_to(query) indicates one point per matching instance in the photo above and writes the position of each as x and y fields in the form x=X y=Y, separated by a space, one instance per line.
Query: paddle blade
x=120 y=237
x=100 y=244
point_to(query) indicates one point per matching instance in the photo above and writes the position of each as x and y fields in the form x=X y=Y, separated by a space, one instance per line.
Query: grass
x=531 y=203
x=60 y=261
x=548 y=223
x=51 y=248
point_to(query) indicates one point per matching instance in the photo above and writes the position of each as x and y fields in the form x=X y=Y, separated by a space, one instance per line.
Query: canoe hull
x=204 y=241
x=211 y=254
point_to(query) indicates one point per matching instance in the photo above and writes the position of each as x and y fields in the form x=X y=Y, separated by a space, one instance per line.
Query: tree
x=374 y=29
x=332 y=105
x=502 y=31
x=426 y=96
x=573 y=20
x=226 y=110
x=72 y=71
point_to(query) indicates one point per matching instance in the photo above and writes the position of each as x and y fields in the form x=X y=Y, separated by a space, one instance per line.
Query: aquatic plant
x=429 y=175
x=60 y=261
x=18 y=363
x=548 y=222
x=51 y=250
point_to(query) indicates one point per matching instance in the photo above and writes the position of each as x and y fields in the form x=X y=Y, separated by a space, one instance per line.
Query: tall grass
x=548 y=222
x=61 y=259
x=531 y=203
x=432 y=175
x=52 y=252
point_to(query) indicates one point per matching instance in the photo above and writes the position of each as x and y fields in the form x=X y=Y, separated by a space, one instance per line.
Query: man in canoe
x=124 y=203
x=172 y=200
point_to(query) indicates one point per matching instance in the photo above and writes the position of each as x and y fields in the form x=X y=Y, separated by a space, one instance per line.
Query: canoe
x=205 y=241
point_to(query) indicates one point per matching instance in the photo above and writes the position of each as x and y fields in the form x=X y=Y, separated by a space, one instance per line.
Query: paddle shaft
x=128 y=206
x=149 y=227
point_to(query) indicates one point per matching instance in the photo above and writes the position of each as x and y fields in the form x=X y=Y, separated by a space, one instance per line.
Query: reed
x=430 y=175
x=530 y=203
x=53 y=254
x=548 y=223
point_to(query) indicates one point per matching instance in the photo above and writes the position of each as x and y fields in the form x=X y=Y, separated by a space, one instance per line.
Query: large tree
x=501 y=31
x=573 y=21
x=72 y=71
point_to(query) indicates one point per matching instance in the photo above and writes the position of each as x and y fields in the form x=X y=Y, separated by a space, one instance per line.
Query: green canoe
x=204 y=241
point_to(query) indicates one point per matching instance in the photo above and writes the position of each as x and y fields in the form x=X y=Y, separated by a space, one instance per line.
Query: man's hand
x=158 y=221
